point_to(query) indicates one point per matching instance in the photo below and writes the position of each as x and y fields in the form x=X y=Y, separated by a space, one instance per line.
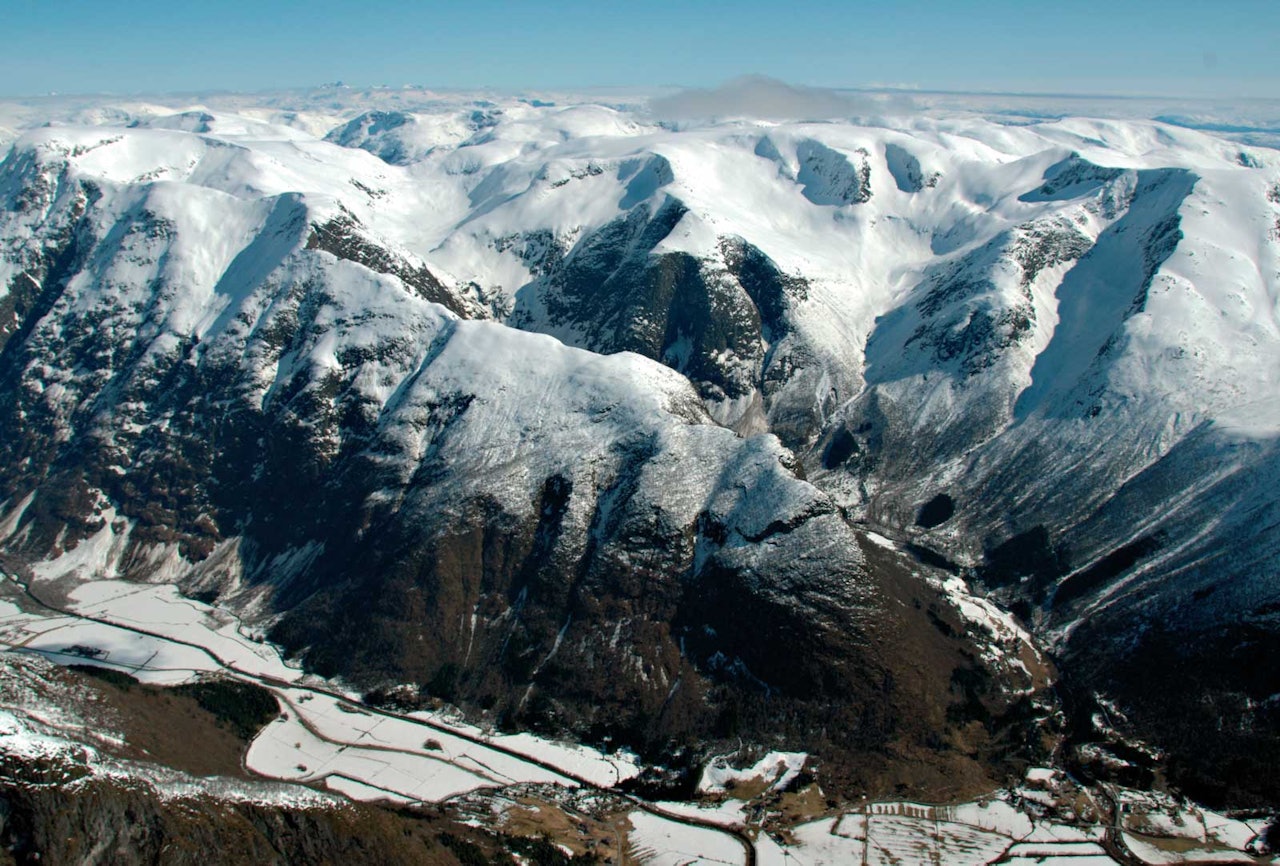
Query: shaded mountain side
x=723 y=320
x=1174 y=685
x=1177 y=627
x=1012 y=422
x=669 y=639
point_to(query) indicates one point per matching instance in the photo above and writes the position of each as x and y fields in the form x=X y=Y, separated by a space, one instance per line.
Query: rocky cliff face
x=721 y=320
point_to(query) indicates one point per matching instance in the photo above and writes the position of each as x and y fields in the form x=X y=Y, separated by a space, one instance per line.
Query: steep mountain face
x=299 y=421
x=717 y=319
x=1032 y=350
x=1044 y=351
x=1087 y=446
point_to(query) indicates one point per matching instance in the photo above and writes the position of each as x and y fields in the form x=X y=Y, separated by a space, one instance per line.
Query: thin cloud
x=762 y=98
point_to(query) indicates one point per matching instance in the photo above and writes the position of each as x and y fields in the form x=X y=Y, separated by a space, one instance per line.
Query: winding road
x=276 y=685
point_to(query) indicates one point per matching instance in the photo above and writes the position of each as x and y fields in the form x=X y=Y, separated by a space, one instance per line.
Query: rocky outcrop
x=721 y=320
x=45 y=820
x=828 y=177
x=341 y=237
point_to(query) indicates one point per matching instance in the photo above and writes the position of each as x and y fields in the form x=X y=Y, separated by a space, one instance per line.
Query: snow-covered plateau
x=845 y=437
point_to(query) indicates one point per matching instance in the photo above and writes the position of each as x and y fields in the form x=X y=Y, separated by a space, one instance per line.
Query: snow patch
x=776 y=770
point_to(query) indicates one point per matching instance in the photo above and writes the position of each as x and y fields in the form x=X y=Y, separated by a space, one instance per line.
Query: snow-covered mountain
x=246 y=350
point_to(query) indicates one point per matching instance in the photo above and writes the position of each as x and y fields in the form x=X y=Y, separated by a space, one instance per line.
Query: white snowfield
x=465 y=204
x=70 y=640
x=162 y=610
x=658 y=842
x=288 y=749
x=775 y=770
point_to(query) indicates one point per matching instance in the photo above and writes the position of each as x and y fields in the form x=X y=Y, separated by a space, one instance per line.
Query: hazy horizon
x=1175 y=49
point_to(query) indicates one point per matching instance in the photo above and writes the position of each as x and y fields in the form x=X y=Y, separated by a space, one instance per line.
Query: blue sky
x=1167 y=48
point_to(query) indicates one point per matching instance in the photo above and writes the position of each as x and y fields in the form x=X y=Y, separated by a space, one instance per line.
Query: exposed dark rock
x=723 y=321
x=1152 y=675
x=614 y=294
x=1107 y=568
x=341 y=237
x=936 y=511
x=905 y=168
x=102 y=822
x=773 y=292
x=842 y=446
x=829 y=177
x=1029 y=556
x=1073 y=176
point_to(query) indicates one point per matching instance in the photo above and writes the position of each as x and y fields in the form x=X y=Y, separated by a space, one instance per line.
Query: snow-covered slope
x=231 y=362
x=1045 y=348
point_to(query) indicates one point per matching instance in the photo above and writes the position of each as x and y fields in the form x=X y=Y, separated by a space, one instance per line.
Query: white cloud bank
x=763 y=98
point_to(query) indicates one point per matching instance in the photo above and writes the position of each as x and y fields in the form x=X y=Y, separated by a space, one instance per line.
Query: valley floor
x=326 y=739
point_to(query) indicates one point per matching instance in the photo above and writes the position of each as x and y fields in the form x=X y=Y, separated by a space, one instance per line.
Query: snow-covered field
x=911 y=833
x=162 y=610
x=581 y=762
x=69 y=640
x=288 y=749
x=666 y=843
